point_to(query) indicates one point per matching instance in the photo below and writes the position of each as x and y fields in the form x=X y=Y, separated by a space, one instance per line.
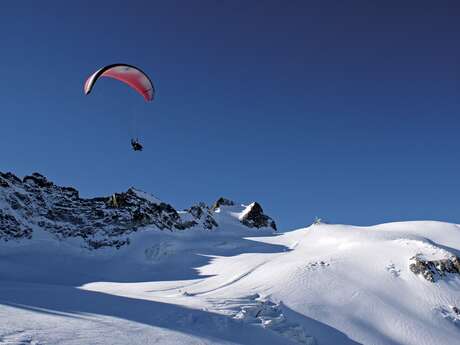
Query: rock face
x=37 y=203
x=254 y=217
x=202 y=214
x=433 y=270
x=451 y=313
x=222 y=202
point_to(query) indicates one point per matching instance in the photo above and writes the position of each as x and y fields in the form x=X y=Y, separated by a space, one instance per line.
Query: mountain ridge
x=34 y=201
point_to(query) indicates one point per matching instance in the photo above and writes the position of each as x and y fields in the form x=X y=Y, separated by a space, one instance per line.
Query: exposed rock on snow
x=433 y=270
x=10 y=228
x=222 y=202
x=253 y=216
x=202 y=215
x=451 y=313
x=36 y=202
x=317 y=265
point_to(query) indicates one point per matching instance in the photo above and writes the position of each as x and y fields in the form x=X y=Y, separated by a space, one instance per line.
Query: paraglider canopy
x=128 y=74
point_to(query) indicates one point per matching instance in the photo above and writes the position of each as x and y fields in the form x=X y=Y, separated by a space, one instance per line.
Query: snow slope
x=325 y=284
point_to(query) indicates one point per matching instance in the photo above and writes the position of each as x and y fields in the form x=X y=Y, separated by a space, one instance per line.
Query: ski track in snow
x=232 y=281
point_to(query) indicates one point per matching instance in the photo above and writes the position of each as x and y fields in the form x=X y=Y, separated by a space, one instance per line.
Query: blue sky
x=347 y=110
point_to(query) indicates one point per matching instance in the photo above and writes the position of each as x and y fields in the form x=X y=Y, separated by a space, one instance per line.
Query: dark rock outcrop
x=35 y=202
x=203 y=214
x=451 y=313
x=455 y=310
x=100 y=222
x=433 y=270
x=222 y=202
x=10 y=228
x=254 y=217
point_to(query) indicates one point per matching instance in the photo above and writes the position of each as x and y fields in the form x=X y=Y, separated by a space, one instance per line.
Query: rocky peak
x=104 y=221
x=222 y=202
x=8 y=179
x=254 y=217
x=433 y=270
x=37 y=179
x=202 y=214
x=36 y=202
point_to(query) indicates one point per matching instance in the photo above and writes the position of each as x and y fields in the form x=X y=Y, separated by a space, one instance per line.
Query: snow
x=325 y=284
x=241 y=215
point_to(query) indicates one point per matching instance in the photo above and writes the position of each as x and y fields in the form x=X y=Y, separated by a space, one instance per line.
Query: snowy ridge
x=35 y=203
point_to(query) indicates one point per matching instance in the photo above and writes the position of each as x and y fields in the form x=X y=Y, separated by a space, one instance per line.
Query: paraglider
x=130 y=75
x=136 y=145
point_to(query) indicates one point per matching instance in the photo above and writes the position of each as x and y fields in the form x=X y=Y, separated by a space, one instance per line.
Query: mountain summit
x=37 y=203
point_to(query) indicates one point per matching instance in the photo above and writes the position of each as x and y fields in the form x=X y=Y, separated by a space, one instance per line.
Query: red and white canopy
x=128 y=74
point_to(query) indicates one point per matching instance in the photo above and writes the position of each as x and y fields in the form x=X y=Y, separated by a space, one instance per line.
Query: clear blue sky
x=348 y=110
